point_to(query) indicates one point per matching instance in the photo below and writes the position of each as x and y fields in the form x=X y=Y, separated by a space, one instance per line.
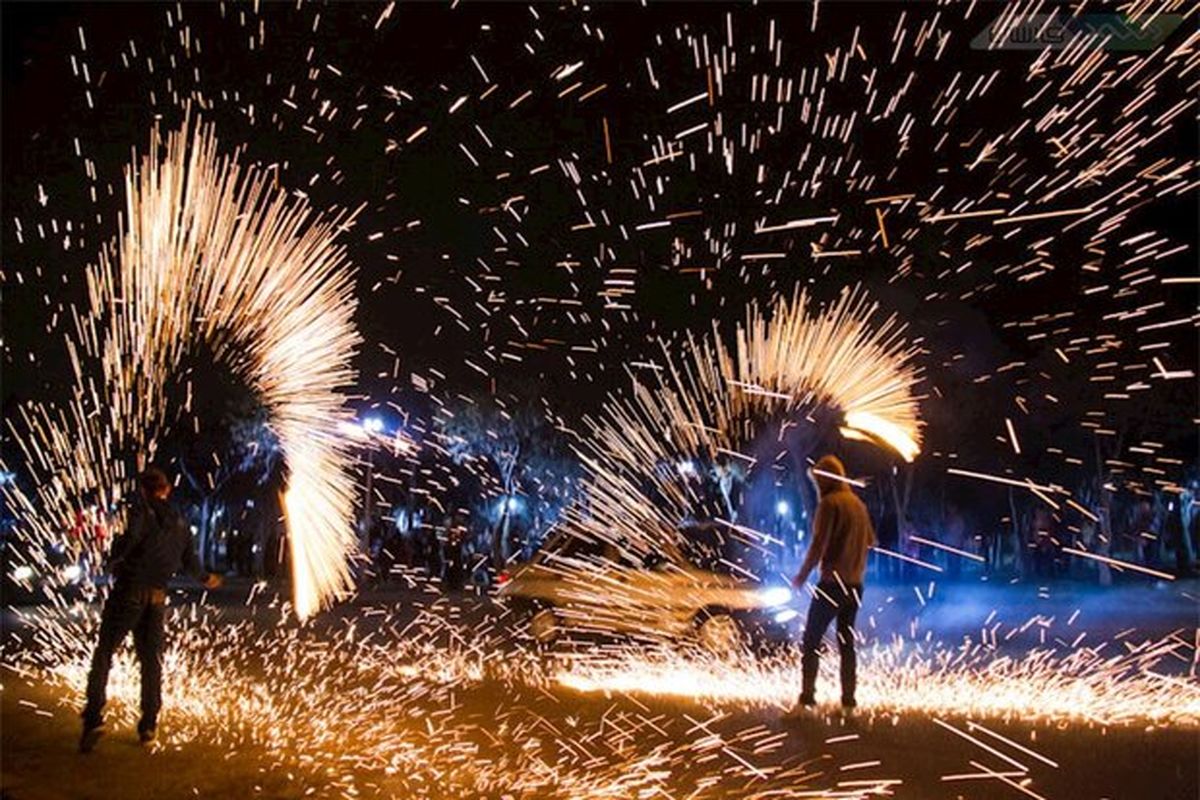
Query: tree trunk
x=1018 y=545
x=1104 y=511
x=205 y=532
x=901 y=500
x=500 y=536
x=534 y=533
x=504 y=554
x=409 y=503
x=805 y=523
x=508 y=480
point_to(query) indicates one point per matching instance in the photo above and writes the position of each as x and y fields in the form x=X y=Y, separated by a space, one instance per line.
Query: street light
x=782 y=508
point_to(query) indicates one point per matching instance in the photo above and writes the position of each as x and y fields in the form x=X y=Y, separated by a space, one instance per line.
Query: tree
x=518 y=451
x=225 y=448
x=1113 y=419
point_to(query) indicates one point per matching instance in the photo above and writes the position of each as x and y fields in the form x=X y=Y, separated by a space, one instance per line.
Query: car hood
x=587 y=582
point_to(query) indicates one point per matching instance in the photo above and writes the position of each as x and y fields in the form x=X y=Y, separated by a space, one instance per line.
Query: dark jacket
x=842 y=530
x=156 y=544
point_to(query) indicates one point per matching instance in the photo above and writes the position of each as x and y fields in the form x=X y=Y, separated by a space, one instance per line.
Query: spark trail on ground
x=365 y=699
x=1084 y=686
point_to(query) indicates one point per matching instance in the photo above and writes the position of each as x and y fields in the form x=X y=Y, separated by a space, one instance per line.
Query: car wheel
x=719 y=633
x=543 y=625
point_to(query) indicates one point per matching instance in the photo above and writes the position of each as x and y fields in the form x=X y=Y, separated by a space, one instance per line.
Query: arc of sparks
x=216 y=251
x=713 y=399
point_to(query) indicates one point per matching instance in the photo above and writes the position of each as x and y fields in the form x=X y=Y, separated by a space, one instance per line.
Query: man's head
x=154 y=483
x=825 y=474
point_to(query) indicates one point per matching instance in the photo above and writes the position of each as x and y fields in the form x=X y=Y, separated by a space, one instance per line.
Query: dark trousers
x=142 y=612
x=831 y=602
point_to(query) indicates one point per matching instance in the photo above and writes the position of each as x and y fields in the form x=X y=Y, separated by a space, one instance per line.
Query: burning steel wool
x=717 y=413
x=212 y=251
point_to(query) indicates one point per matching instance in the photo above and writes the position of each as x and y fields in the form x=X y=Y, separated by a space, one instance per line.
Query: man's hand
x=212 y=581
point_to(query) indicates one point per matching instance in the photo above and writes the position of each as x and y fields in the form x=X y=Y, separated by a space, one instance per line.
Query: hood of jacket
x=826 y=485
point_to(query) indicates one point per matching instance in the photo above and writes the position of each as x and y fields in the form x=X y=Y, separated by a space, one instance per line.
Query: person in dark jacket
x=842 y=537
x=156 y=544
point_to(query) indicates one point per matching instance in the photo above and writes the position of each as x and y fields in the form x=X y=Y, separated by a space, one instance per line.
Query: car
x=691 y=592
x=34 y=571
x=38 y=573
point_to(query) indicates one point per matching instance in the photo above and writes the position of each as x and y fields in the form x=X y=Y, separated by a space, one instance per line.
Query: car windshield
x=718 y=549
x=572 y=548
x=708 y=547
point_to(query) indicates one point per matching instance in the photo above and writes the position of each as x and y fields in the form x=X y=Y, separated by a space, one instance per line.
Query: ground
x=351 y=706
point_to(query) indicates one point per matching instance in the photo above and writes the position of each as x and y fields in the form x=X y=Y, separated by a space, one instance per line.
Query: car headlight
x=775 y=596
x=22 y=573
x=72 y=572
x=787 y=615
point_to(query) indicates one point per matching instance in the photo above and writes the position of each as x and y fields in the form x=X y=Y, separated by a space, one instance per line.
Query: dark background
x=971 y=323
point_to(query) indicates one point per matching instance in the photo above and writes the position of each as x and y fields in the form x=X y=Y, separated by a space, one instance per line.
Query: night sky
x=506 y=237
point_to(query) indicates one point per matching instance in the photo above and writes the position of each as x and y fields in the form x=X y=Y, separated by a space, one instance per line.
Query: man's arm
x=816 y=548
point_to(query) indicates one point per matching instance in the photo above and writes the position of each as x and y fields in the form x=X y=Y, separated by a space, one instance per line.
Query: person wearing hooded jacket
x=155 y=545
x=842 y=537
